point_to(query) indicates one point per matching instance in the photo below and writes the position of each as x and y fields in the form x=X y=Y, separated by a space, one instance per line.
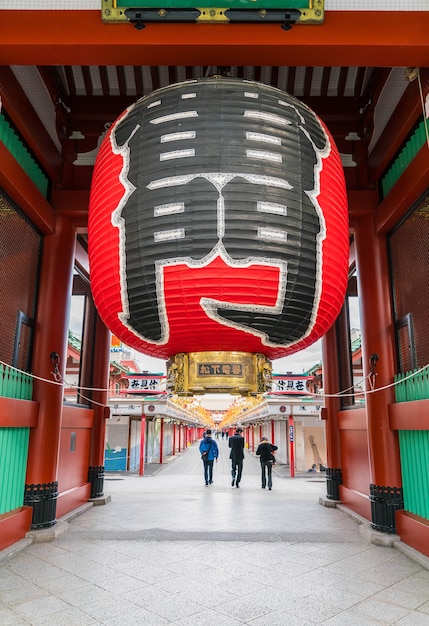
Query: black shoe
x=232 y=483
x=237 y=485
x=263 y=487
x=269 y=488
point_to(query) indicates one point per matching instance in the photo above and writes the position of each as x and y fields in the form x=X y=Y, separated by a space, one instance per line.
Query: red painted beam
x=413 y=415
x=356 y=501
x=16 y=413
x=355 y=38
x=411 y=185
x=413 y=530
x=24 y=192
x=72 y=499
x=14 y=526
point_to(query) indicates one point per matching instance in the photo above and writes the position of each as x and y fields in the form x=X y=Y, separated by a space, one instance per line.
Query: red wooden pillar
x=174 y=438
x=272 y=432
x=50 y=337
x=253 y=438
x=100 y=382
x=291 y=446
x=161 y=442
x=378 y=339
x=142 y=445
x=331 y=386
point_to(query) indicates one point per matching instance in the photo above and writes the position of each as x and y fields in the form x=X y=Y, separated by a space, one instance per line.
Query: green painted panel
x=13 y=466
x=411 y=386
x=414 y=451
x=400 y=389
x=404 y=158
x=15 y=384
x=22 y=156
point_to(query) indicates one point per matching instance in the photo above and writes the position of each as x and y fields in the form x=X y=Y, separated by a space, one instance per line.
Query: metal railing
x=15 y=384
x=414 y=445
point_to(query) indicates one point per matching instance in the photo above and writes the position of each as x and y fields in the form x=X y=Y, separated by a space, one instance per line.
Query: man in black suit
x=236 y=443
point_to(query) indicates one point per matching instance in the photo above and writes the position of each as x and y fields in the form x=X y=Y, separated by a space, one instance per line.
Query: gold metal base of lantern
x=240 y=373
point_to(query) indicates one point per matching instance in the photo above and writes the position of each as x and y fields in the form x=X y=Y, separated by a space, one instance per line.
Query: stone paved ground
x=168 y=550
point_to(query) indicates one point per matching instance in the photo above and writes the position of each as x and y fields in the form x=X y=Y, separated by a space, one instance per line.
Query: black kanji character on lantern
x=221 y=167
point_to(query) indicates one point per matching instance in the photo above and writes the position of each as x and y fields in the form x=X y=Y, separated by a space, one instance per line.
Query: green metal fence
x=13 y=466
x=414 y=446
x=15 y=384
x=13 y=143
x=414 y=450
x=414 y=143
x=13 y=442
x=411 y=386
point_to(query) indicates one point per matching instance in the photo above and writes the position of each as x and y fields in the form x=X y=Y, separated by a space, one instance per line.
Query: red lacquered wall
x=354 y=490
x=75 y=441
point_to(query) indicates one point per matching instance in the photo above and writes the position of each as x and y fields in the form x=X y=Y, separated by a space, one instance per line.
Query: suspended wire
x=375 y=390
x=343 y=393
x=44 y=380
x=338 y=394
x=399 y=381
x=93 y=401
x=60 y=381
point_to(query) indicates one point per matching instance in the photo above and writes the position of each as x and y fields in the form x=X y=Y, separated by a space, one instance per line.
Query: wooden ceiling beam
x=357 y=38
x=341 y=115
x=90 y=106
x=340 y=107
x=408 y=111
x=26 y=120
x=24 y=192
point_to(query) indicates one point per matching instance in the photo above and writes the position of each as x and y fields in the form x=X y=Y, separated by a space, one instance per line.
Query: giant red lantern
x=218 y=221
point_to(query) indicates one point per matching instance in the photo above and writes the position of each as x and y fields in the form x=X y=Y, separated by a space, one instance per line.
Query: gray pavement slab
x=169 y=550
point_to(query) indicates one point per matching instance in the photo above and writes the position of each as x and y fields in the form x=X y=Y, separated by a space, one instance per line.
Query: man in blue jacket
x=209 y=452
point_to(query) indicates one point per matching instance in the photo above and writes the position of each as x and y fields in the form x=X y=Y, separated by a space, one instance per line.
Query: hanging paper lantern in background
x=218 y=221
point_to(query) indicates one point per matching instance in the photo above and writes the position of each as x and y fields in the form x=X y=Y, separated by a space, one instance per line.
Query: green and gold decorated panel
x=219 y=372
x=268 y=11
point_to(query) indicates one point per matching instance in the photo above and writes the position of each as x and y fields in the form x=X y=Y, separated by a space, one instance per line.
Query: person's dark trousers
x=208 y=471
x=267 y=474
x=236 y=471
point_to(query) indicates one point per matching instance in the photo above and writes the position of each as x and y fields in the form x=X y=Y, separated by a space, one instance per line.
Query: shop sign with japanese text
x=145 y=384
